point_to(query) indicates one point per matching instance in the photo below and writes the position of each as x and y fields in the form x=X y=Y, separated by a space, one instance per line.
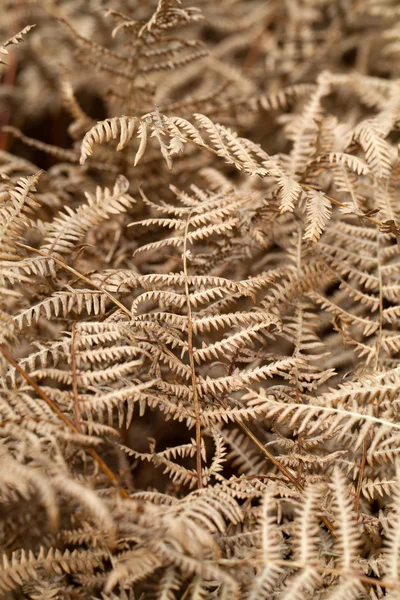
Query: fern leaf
x=16 y=39
x=318 y=214
x=377 y=150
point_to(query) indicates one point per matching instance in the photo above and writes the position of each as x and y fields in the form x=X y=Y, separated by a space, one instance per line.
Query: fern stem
x=196 y=403
x=328 y=524
x=341 y=205
x=360 y=477
x=106 y=470
x=62 y=264
x=75 y=391
x=380 y=330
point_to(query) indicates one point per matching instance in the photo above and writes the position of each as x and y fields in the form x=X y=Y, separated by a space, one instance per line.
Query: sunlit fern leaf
x=269 y=553
x=240 y=152
x=15 y=39
x=377 y=151
x=318 y=213
x=69 y=228
x=307 y=549
x=16 y=209
x=62 y=303
x=24 y=566
x=290 y=192
x=348 y=540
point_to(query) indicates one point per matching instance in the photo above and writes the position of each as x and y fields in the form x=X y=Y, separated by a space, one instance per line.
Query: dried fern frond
x=17 y=206
x=15 y=39
x=68 y=229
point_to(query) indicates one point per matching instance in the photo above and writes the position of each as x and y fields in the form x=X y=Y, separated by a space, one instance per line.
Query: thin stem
x=341 y=205
x=75 y=391
x=275 y=461
x=380 y=330
x=62 y=264
x=106 y=470
x=191 y=360
x=360 y=477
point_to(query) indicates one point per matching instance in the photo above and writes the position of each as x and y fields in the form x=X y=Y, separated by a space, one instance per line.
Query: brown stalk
x=360 y=477
x=75 y=391
x=191 y=362
x=62 y=264
x=285 y=472
x=341 y=205
x=102 y=465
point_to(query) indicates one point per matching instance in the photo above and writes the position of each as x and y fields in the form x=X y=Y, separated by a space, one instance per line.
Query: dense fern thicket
x=200 y=299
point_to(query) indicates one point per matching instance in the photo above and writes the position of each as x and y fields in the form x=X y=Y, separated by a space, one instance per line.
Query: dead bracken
x=200 y=300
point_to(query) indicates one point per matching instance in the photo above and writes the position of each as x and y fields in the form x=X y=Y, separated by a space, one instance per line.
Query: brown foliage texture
x=200 y=299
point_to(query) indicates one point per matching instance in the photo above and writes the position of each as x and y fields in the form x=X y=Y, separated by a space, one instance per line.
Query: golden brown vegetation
x=200 y=299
